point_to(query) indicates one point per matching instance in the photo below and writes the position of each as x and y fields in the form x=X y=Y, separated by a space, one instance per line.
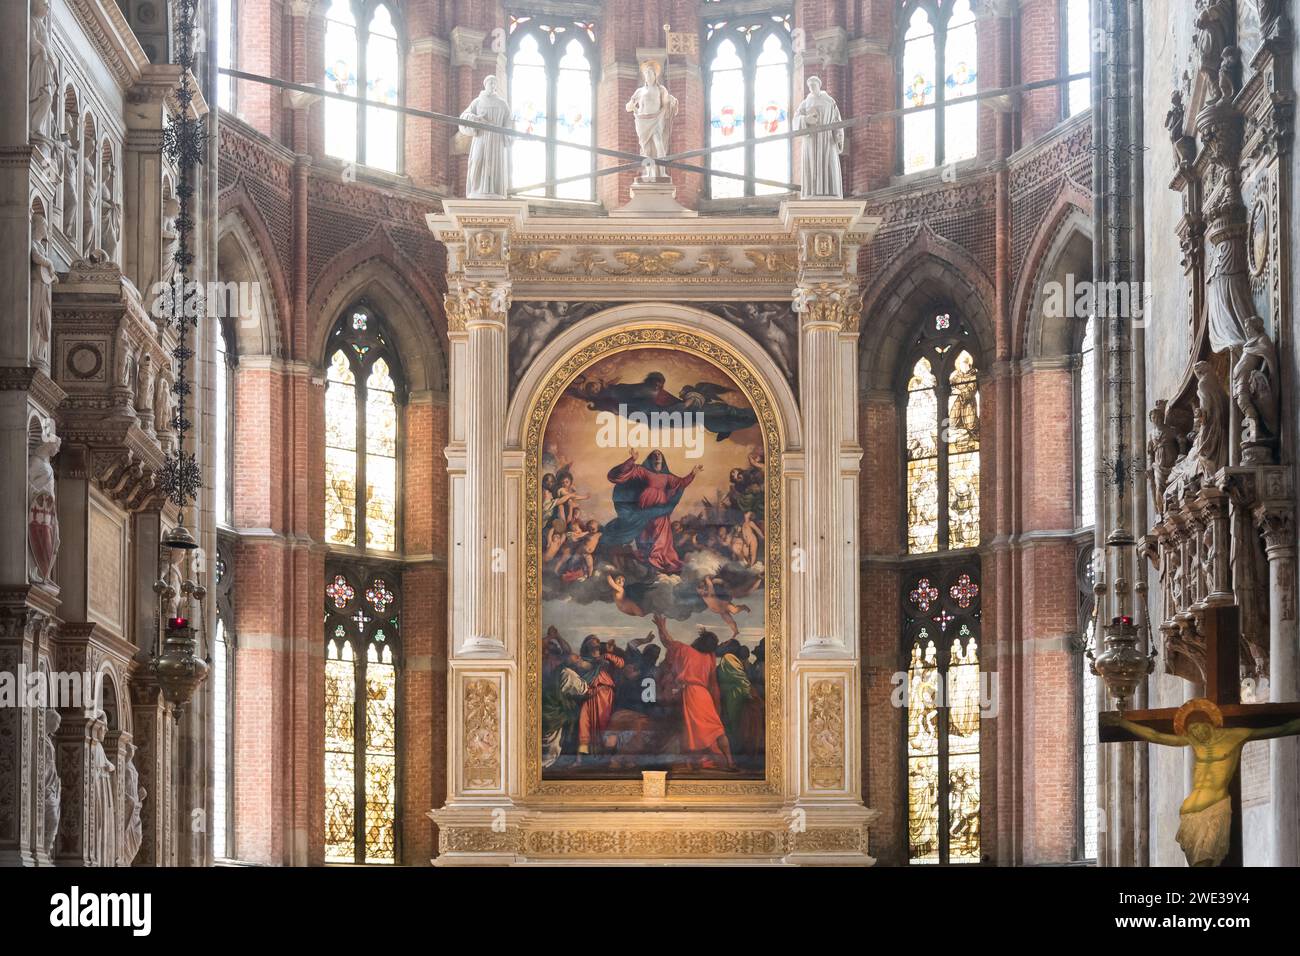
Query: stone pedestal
x=654 y=198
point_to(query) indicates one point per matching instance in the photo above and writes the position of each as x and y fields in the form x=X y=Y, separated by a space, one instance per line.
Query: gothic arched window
x=945 y=697
x=748 y=100
x=1076 y=54
x=363 y=58
x=363 y=392
x=942 y=440
x=362 y=651
x=938 y=66
x=552 y=70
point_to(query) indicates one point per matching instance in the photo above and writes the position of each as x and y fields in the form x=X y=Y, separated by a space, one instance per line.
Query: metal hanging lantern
x=176 y=663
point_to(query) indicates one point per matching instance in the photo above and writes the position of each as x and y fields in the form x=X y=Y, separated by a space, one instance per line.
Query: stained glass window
x=942 y=453
x=362 y=424
x=945 y=698
x=361 y=715
x=939 y=65
x=363 y=58
x=1077 y=43
x=748 y=90
x=552 y=89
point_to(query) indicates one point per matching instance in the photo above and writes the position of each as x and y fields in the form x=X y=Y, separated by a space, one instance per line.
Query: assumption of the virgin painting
x=653 y=562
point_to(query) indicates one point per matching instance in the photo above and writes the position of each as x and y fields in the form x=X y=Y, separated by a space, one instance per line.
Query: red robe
x=695 y=672
x=597 y=709
x=655 y=542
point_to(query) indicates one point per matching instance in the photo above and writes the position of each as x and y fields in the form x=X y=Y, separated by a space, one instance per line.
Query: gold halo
x=1202 y=704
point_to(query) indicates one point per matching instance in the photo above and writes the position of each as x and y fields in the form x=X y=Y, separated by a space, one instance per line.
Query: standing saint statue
x=653 y=109
x=103 y=838
x=133 y=800
x=819 y=162
x=42 y=288
x=52 y=786
x=489 y=152
x=1205 y=829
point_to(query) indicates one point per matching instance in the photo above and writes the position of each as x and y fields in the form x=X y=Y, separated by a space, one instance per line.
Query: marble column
x=1276 y=519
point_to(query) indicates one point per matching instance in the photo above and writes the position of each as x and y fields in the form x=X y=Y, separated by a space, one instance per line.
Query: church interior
x=755 y=432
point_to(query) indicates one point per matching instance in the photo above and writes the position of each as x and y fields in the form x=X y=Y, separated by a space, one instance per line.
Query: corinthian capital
x=472 y=303
x=835 y=303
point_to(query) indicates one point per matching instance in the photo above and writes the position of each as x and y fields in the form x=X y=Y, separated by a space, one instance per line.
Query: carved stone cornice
x=45 y=392
x=107 y=28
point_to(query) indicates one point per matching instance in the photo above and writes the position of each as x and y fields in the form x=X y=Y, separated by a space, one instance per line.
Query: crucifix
x=1216 y=727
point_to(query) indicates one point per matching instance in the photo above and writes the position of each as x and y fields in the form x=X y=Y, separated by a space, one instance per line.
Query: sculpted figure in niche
x=819 y=162
x=89 y=242
x=42 y=511
x=488 y=176
x=51 y=786
x=1255 y=383
x=44 y=82
x=653 y=109
x=110 y=216
x=171 y=237
x=132 y=800
x=103 y=837
x=69 y=187
x=42 y=291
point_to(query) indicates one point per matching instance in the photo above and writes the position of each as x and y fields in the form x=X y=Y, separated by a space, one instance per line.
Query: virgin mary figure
x=644 y=498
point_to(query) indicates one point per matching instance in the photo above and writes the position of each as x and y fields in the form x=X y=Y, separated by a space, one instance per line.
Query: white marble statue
x=44 y=82
x=103 y=836
x=51 y=786
x=171 y=237
x=42 y=290
x=819 y=161
x=42 y=509
x=69 y=187
x=89 y=242
x=489 y=153
x=132 y=801
x=653 y=109
x=110 y=215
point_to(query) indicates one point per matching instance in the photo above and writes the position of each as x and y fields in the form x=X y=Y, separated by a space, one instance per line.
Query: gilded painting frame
x=752 y=383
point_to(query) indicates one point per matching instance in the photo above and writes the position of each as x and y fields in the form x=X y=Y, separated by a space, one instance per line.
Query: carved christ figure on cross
x=1205 y=829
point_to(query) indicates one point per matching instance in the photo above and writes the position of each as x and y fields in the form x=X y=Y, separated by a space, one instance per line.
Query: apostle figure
x=52 y=786
x=42 y=513
x=489 y=157
x=103 y=838
x=693 y=668
x=819 y=162
x=42 y=283
x=653 y=108
x=597 y=664
x=171 y=237
x=644 y=498
x=133 y=799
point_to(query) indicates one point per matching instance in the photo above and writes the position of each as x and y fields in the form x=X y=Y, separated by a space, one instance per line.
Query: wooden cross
x=1221 y=629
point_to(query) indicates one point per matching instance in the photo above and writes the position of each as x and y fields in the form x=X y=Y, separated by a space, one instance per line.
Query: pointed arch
x=930 y=275
x=1068 y=222
x=240 y=259
x=400 y=295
